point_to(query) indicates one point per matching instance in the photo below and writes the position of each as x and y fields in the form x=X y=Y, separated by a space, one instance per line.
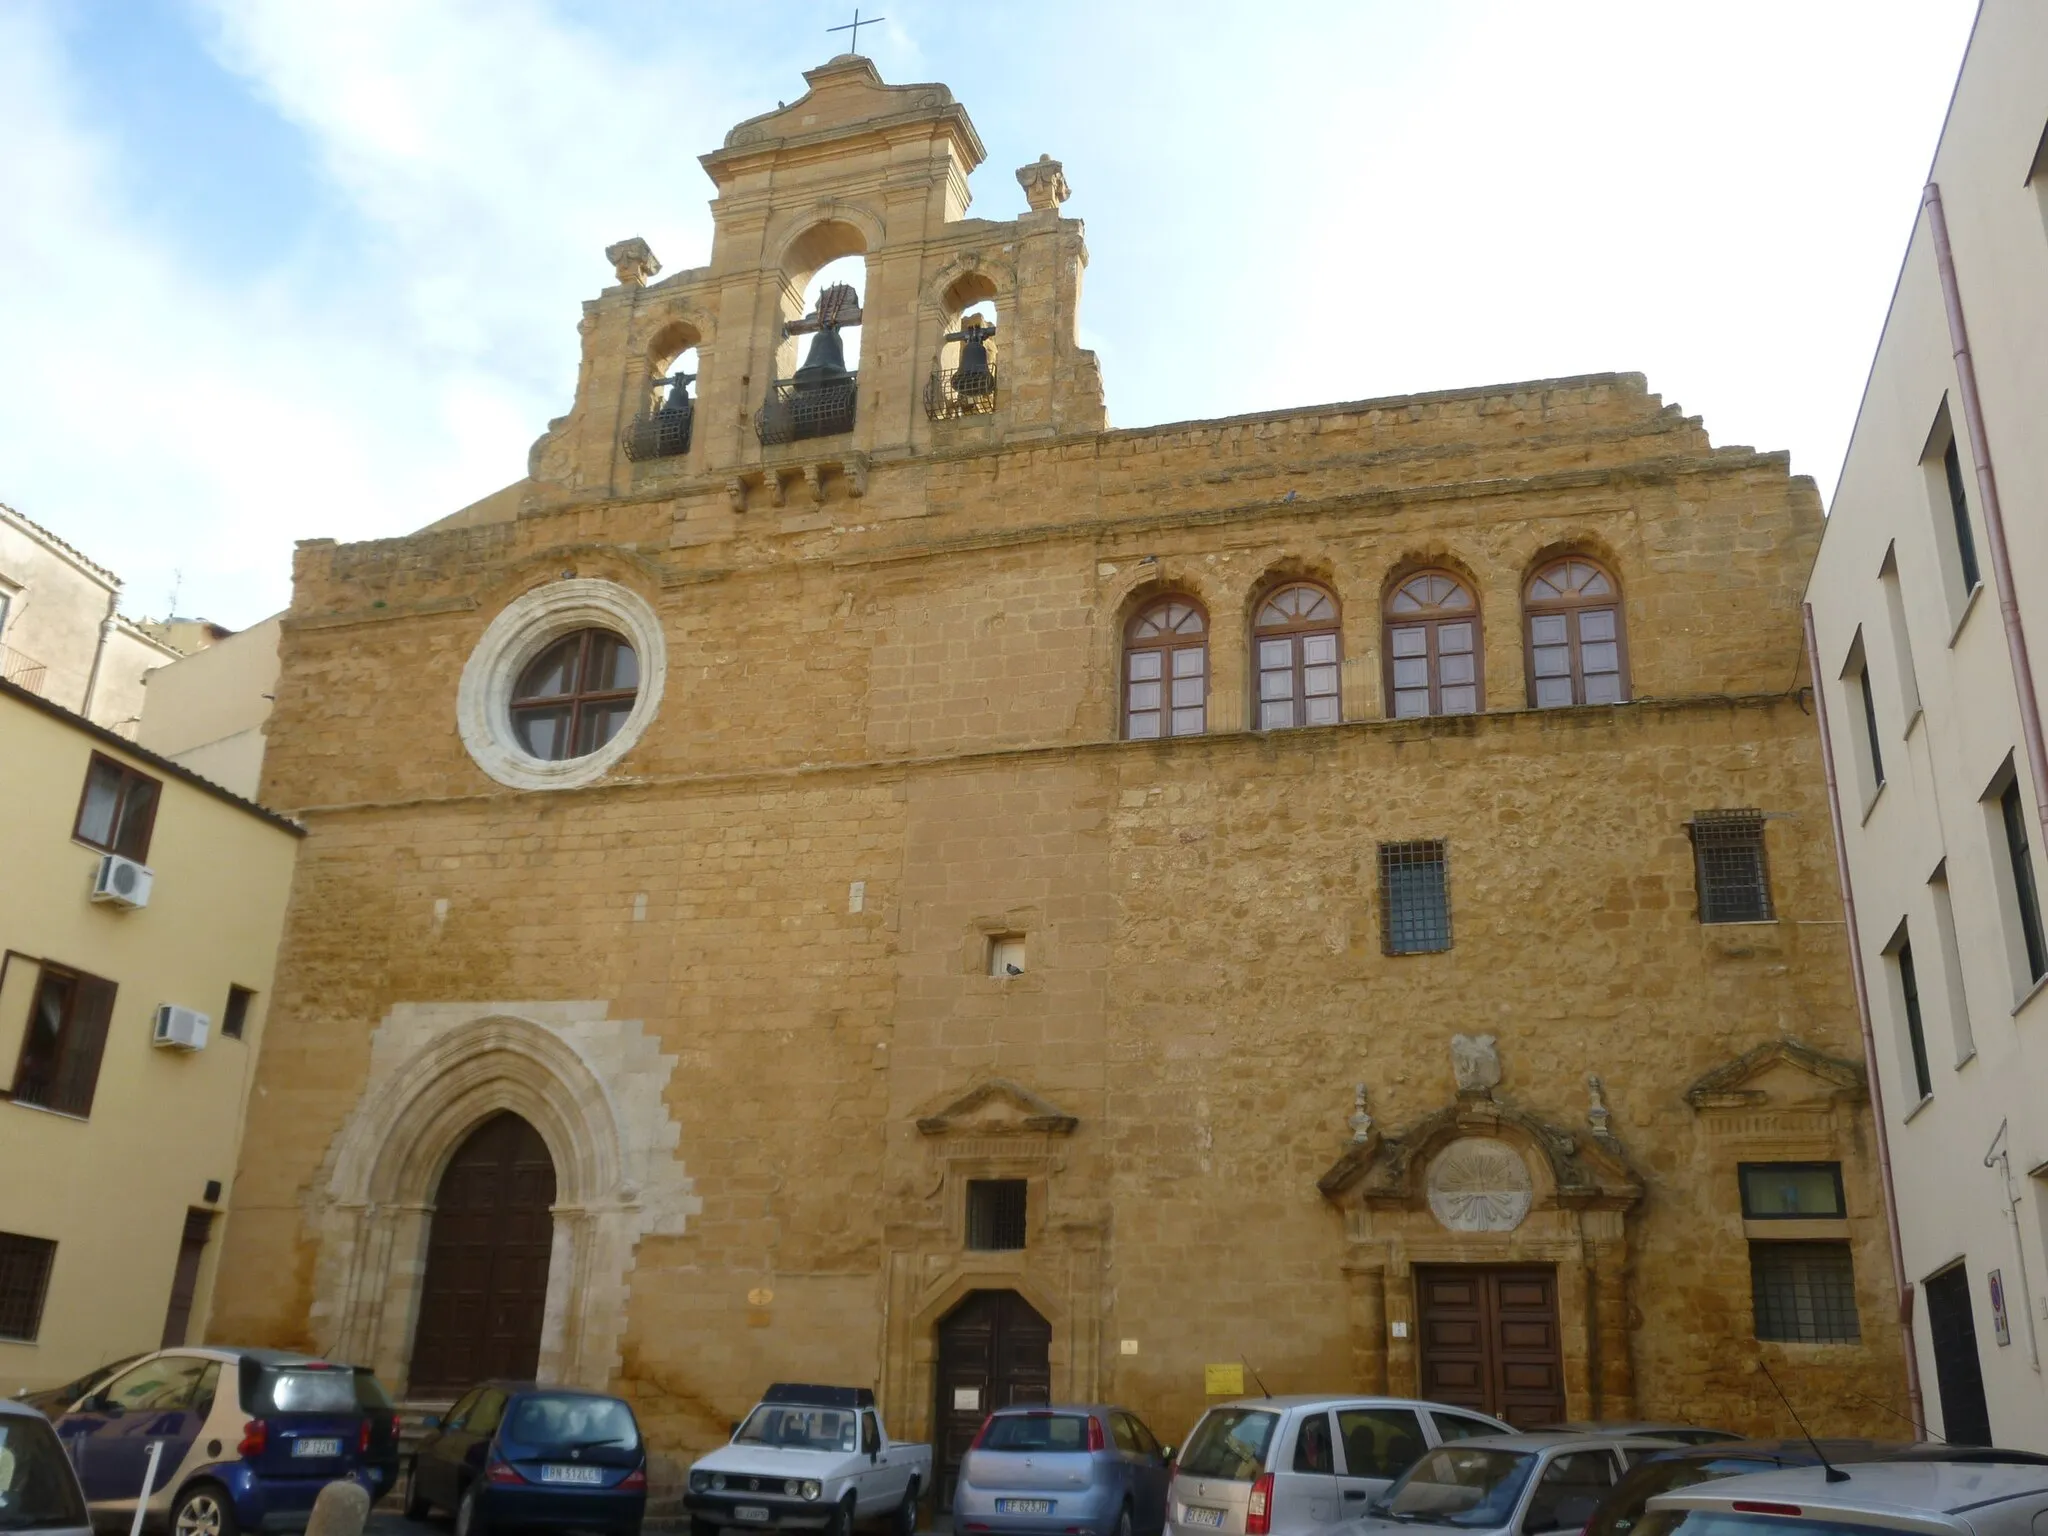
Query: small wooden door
x=1490 y=1341
x=185 y=1278
x=1958 y=1373
x=994 y=1351
x=487 y=1261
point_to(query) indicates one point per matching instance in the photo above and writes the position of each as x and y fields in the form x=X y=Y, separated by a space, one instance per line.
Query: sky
x=285 y=269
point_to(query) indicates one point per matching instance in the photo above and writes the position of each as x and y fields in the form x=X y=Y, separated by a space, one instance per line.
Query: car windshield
x=37 y=1490
x=1620 y=1511
x=319 y=1389
x=1229 y=1443
x=1036 y=1432
x=1714 y=1522
x=1463 y=1485
x=570 y=1420
x=800 y=1428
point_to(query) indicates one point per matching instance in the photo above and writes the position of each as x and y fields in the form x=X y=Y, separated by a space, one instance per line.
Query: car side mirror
x=1166 y=1454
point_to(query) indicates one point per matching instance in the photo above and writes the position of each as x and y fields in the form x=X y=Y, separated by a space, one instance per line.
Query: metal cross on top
x=854 y=27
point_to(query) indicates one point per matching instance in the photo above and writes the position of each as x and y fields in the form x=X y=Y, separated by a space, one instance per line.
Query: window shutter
x=85 y=1039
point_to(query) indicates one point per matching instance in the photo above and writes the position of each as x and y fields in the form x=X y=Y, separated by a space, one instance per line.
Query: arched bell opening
x=965 y=378
x=817 y=354
x=664 y=425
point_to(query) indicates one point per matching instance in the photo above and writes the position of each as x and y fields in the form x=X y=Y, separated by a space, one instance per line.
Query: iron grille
x=1415 y=899
x=1734 y=878
x=995 y=1214
x=793 y=412
x=1805 y=1293
x=25 y=672
x=661 y=434
x=24 y=1280
x=955 y=392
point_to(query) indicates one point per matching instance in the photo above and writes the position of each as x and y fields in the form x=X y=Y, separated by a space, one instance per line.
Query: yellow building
x=873 y=876
x=140 y=908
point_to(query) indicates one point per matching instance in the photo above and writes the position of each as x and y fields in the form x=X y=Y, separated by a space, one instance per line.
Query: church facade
x=870 y=875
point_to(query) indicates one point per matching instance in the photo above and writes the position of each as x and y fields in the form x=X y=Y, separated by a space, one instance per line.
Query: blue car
x=512 y=1454
x=1050 y=1471
x=248 y=1439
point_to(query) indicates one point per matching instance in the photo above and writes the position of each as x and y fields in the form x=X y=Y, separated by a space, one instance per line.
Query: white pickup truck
x=809 y=1459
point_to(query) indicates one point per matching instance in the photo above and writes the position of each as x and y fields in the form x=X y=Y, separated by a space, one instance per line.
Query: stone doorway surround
x=1482 y=1181
x=594 y=1088
x=996 y=1129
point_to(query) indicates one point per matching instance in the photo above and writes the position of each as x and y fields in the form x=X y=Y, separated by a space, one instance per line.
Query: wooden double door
x=994 y=1351
x=486 y=1284
x=1489 y=1340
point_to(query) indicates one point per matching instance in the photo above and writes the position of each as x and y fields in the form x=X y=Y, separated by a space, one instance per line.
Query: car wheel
x=1123 y=1521
x=203 y=1510
x=699 y=1526
x=417 y=1506
x=841 y=1523
x=906 y=1512
x=470 y=1519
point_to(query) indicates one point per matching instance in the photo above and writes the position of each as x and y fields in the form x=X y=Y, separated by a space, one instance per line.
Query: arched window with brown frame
x=1166 y=670
x=1295 y=643
x=1577 y=653
x=1432 y=647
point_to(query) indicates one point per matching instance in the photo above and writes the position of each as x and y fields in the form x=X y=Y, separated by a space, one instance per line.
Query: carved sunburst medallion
x=1479 y=1185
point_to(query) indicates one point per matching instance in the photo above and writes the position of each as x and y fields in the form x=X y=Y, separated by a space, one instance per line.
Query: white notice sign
x=967 y=1399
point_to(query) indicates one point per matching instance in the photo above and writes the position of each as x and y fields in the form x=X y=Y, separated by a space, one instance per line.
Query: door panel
x=994 y=1352
x=1958 y=1372
x=1490 y=1341
x=487 y=1261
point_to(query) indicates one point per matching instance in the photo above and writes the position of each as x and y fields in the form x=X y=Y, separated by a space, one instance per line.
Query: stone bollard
x=342 y=1509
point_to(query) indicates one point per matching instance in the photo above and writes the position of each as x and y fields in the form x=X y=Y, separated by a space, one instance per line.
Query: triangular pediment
x=999 y=1107
x=1781 y=1073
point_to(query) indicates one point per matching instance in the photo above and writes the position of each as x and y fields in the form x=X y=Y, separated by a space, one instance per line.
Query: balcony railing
x=661 y=434
x=956 y=392
x=22 y=671
x=793 y=412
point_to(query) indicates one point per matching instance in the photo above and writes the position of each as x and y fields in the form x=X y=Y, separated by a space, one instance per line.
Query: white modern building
x=1930 y=589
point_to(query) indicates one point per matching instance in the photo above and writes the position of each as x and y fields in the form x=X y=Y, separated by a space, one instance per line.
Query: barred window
x=24 y=1280
x=1804 y=1293
x=1415 y=901
x=995 y=1214
x=1728 y=856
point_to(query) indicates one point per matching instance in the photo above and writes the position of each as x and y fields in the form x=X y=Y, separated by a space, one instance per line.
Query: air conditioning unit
x=121 y=881
x=180 y=1029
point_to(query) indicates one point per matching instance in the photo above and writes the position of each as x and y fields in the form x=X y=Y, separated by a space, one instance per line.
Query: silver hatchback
x=38 y=1490
x=1295 y=1466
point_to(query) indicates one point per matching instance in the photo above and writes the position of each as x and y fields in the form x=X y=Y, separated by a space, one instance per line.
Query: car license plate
x=326 y=1447
x=749 y=1512
x=1023 y=1506
x=1194 y=1514
x=550 y=1473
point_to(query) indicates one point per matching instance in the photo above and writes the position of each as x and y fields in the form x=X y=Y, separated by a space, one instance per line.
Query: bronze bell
x=825 y=361
x=974 y=377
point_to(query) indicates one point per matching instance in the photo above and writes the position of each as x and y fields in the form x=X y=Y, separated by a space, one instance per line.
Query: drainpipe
x=92 y=678
x=1915 y=1405
x=1994 y=514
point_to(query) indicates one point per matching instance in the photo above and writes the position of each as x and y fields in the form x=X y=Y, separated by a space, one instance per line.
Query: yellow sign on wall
x=1223 y=1380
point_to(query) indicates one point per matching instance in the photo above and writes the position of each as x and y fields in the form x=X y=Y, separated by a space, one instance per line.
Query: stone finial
x=1475 y=1063
x=1597 y=1113
x=1361 y=1118
x=1045 y=183
x=633 y=261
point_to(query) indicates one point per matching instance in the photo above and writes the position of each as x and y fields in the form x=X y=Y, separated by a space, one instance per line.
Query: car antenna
x=1920 y=1429
x=1834 y=1473
x=1255 y=1376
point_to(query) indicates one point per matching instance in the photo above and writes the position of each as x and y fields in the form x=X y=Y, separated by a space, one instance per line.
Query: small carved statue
x=1475 y=1063
x=1361 y=1119
x=1597 y=1114
x=633 y=260
x=1044 y=182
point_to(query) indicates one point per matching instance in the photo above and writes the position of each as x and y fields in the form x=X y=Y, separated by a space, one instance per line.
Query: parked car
x=514 y=1453
x=38 y=1490
x=1286 y=1466
x=380 y=1456
x=249 y=1437
x=1668 y=1471
x=1096 y=1470
x=1500 y=1484
x=1684 y=1434
x=809 y=1458
x=1967 y=1496
x=52 y=1401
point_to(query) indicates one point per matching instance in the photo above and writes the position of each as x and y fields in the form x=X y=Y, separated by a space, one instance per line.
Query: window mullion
x=1578 y=661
